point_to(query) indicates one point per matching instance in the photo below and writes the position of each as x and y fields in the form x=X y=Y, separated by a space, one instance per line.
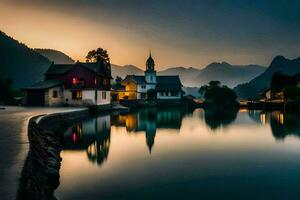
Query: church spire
x=150 y=64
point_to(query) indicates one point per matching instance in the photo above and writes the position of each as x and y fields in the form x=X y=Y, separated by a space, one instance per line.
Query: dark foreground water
x=175 y=154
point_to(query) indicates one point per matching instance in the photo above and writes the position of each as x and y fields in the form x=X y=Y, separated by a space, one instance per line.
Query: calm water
x=174 y=154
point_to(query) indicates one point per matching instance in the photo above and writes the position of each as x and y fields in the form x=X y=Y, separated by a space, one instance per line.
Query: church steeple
x=150 y=73
x=150 y=63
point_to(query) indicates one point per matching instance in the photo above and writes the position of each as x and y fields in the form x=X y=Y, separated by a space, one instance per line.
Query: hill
x=122 y=71
x=279 y=64
x=230 y=75
x=20 y=63
x=227 y=74
x=55 y=56
x=187 y=75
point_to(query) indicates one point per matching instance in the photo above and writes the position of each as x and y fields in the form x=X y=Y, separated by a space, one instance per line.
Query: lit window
x=77 y=81
x=77 y=95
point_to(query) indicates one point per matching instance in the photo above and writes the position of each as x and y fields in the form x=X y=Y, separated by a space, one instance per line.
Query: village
x=91 y=84
x=87 y=84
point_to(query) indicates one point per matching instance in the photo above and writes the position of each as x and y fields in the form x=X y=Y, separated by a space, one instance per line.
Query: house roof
x=117 y=87
x=44 y=85
x=59 y=69
x=136 y=79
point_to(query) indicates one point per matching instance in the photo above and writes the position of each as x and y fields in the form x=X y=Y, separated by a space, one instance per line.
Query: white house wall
x=101 y=100
x=168 y=96
x=88 y=98
x=54 y=101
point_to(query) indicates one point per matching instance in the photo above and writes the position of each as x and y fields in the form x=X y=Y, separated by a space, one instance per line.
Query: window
x=161 y=94
x=54 y=94
x=103 y=95
x=77 y=95
x=105 y=82
x=77 y=82
x=143 y=86
x=151 y=78
x=174 y=94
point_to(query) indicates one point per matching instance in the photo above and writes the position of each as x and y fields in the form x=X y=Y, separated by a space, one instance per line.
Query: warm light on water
x=153 y=154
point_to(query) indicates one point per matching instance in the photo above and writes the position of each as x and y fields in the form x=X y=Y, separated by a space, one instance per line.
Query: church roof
x=172 y=83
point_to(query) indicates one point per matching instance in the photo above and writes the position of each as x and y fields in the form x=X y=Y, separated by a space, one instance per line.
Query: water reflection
x=282 y=124
x=216 y=119
x=92 y=135
x=149 y=120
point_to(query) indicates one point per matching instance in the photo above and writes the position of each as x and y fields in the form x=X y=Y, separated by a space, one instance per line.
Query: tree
x=280 y=81
x=292 y=93
x=7 y=93
x=118 y=80
x=98 y=55
x=217 y=95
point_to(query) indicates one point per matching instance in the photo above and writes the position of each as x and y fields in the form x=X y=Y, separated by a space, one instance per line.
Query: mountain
x=122 y=71
x=20 y=63
x=227 y=74
x=230 y=75
x=61 y=58
x=55 y=56
x=279 y=64
x=187 y=76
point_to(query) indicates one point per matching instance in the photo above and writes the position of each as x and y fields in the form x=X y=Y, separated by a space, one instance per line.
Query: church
x=149 y=87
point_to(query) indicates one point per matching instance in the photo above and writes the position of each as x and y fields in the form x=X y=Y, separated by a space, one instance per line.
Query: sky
x=191 y=33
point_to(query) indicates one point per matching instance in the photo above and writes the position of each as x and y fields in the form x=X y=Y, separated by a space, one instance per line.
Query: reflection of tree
x=215 y=118
x=97 y=152
x=92 y=135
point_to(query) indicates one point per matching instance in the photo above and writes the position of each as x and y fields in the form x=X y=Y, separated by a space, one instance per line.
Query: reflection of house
x=92 y=135
x=150 y=86
x=148 y=120
x=73 y=84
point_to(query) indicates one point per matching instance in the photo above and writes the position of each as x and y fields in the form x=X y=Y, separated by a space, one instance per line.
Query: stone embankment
x=40 y=173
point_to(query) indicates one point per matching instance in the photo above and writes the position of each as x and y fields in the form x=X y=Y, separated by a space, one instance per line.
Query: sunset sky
x=178 y=32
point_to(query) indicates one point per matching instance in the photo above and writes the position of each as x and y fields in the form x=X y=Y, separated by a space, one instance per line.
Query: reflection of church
x=92 y=135
x=148 y=121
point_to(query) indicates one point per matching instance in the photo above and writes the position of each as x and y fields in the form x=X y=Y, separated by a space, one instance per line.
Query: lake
x=178 y=154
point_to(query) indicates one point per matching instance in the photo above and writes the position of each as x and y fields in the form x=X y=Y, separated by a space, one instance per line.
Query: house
x=286 y=80
x=71 y=84
x=150 y=86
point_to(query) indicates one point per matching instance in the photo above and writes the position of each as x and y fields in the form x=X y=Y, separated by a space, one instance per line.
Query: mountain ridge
x=278 y=64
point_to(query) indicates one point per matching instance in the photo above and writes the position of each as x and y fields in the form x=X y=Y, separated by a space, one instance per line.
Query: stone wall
x=40 y=173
